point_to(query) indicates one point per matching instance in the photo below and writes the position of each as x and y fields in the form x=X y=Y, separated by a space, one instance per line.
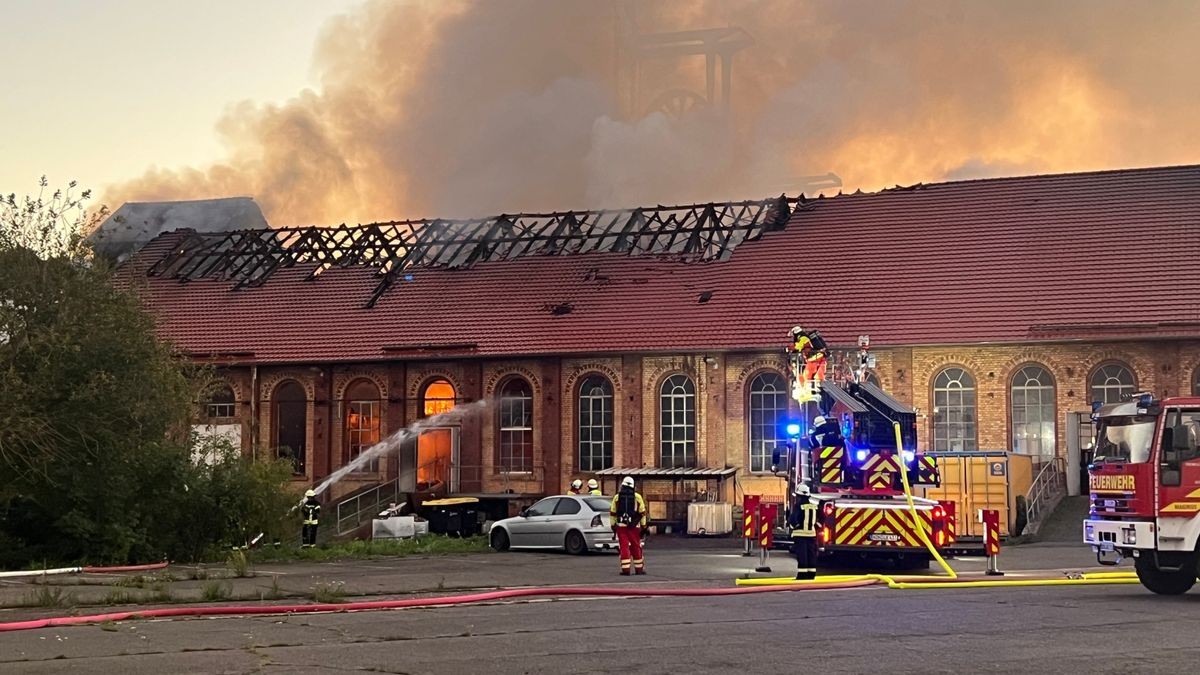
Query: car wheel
x=575 y=543
x=499 y=539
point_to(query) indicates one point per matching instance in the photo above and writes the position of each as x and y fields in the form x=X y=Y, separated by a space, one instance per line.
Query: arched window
x=1111 y=383
x=439 y=397
x=514 y=448
x=1033 y=412
x=595 y=424
x=677 y=429
x=291 y=423
x=363 y=410
x=767 y=415
x=220 y=403
x=954 y=411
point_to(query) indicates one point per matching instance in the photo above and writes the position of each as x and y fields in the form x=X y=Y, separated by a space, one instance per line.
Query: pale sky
x=99 y=90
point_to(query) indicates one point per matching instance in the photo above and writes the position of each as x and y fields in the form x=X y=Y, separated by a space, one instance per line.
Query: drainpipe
x=254 y=421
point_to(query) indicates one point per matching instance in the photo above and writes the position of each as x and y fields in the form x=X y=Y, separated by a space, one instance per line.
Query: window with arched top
x=1112 y=383
x=954 y=411
x=1032 y=411
x=677 y=422
x=290 y=414
x=514 y=443
x=364 y=409
x=595 y=423
x=766 y=418
x=438 y=397
x=220 y=403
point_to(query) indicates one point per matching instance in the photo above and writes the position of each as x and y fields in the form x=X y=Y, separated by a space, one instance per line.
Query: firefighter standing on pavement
x=576 y=487
x=628 y=513
x=802 y=518
x=594 y=488
x=310 y=510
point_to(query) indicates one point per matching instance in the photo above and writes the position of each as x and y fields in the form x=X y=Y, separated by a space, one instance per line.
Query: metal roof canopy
x=681 y=473
x=695 y=232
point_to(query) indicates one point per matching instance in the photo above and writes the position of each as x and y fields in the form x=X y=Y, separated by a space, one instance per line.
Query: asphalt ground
x=1044 y=629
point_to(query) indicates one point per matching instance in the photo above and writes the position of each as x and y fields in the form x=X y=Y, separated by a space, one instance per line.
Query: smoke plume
x=445 y=108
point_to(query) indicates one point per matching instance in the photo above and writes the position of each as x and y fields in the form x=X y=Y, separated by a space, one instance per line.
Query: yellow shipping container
x=982 y=480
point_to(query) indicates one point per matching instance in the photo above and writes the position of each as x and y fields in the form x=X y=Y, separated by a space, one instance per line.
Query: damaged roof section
x=697 y=232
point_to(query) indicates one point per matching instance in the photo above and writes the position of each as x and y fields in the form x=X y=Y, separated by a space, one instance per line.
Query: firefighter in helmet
x=810 y=348
x=594 y=487
x=628 y=515
x=802 y=518
x=576 y=487
x=310 y=511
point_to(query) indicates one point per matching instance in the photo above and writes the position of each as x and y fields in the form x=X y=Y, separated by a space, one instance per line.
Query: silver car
x=574 y=523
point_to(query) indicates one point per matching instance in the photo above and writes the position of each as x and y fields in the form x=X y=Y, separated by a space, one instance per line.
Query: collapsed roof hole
x=705 y=297
x=559 y=309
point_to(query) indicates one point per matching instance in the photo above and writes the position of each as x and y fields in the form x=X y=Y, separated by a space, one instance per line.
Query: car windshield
x=598 y=504
x=1125 y=439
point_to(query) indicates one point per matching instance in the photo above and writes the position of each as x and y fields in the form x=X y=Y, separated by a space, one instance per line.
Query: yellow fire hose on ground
x=951 y=580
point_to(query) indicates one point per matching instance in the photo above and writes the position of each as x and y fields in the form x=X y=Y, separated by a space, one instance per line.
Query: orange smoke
x=473 y=108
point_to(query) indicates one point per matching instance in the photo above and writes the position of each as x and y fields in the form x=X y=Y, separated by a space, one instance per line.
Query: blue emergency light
x=793 y=429
x=861 y=455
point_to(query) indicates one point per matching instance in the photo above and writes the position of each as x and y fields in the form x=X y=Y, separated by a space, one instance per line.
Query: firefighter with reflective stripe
x=594 y=487
x=811 y=348
x=310 y=511
x=825 y=433
x=628 y=513
x=802 y=518
x=576 y=487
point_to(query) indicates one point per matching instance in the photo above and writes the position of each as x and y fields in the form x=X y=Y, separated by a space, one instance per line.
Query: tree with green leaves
x=97 y=462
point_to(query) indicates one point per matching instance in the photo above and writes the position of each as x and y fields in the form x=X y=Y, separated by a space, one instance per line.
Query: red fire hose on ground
x=490 y=596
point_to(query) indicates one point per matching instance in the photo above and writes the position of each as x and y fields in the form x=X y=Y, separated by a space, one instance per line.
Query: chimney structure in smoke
x=635 y=49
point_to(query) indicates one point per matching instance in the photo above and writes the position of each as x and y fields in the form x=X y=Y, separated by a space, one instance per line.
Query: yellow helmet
x=593 y=484
x=310 y=493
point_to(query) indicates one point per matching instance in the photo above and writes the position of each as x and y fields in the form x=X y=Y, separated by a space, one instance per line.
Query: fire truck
x=1144 y=486
x=863 y=511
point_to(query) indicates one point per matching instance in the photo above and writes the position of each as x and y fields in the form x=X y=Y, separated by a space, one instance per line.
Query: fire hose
x=84 y=570
x=912 y=509
x=443 y=601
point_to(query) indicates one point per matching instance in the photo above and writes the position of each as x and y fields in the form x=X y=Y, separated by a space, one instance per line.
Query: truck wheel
x=575 y=543
x=1164 y=583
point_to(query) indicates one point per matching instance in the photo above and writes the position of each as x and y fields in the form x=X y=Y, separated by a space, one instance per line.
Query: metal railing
x=353 y=511
x=1045 y=493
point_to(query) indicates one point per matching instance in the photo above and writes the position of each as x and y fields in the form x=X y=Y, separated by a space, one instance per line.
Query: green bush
x=96 y=461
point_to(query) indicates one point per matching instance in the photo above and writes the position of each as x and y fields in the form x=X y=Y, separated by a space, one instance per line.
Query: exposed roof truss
x=696 y=232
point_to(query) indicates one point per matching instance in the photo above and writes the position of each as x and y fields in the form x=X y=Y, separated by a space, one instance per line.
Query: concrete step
x=1065 y=524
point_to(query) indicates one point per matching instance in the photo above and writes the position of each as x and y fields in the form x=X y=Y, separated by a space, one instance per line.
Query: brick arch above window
x=418 y=384
x=271 y=382
x=1111 y=381
x=751 y=370
x=345 y=380
x=499 y=377
x=586 y=370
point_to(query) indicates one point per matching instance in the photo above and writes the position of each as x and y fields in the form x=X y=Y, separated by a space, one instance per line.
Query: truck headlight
x=1089 y=532
x=1129 y=535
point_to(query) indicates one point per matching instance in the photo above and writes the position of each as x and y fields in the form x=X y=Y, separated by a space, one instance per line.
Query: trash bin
x=456 y=516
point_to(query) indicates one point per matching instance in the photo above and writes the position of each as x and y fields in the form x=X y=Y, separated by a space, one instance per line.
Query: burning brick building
x=651 y=340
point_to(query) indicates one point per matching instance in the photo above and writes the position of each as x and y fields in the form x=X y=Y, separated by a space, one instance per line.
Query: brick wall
x=722 y=384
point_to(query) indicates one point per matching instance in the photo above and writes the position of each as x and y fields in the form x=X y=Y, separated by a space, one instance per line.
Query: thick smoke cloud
x=471 y=108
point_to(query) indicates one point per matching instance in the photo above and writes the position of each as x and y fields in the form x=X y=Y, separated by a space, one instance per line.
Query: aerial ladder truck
x=843 y=446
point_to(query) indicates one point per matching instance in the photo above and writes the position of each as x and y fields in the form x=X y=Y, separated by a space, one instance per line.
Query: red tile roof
x=1104 y=255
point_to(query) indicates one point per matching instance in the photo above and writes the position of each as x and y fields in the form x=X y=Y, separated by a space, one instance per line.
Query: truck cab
x=1144 y=489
